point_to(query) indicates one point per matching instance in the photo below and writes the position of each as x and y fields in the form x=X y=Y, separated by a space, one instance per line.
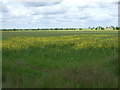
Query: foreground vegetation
x=51 y=59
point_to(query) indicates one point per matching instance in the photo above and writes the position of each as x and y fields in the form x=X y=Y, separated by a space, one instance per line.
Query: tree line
x=89 y=28
x=103 y=28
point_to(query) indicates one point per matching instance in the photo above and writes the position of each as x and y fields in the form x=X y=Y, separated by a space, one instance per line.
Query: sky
x=58 y=13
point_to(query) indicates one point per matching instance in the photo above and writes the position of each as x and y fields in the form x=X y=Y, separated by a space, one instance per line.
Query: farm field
x=60 y=59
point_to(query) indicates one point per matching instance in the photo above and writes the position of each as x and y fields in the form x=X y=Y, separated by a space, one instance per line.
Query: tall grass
x=75 y=61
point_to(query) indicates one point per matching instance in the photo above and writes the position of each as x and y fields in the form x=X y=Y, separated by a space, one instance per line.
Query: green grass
x=47 y=33
x=60 y=59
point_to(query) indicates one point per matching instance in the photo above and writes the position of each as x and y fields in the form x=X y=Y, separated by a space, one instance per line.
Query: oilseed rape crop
x=75 y=41
x=49 y=59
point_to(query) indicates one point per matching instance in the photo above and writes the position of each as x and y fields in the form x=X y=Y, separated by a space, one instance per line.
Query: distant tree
x=14 y=29
x=56 y=29
x=92 y=28
x=114 y=28
x=80 y=29
x=102 y=28
x=4 y=30
x=117 y=28
x=66 y=29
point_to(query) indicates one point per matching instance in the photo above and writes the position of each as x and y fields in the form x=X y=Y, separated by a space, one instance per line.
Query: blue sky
x=59 y=13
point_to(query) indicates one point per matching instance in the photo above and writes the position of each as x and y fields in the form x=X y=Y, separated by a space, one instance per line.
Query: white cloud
x=72 y=13
x=18 y=10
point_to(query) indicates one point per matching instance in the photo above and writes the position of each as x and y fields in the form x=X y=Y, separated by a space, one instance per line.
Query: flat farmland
x=60 y=59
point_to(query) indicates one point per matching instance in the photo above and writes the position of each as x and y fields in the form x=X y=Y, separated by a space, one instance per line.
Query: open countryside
x=59 y=43
x=60 y=59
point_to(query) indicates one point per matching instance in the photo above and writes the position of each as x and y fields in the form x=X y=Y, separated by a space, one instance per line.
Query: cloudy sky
x=58 y=13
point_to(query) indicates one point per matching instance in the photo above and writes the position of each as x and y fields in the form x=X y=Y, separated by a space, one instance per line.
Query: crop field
x=60 y=59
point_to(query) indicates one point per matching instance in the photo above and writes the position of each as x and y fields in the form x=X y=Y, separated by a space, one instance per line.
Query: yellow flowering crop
x=75 y=41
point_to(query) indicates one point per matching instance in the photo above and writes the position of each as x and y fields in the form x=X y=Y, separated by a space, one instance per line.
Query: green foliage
x=72 y=59
x=117 y=28
x=90 y=28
